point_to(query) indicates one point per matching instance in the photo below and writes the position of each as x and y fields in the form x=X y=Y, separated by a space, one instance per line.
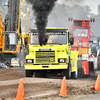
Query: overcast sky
x=93 y=4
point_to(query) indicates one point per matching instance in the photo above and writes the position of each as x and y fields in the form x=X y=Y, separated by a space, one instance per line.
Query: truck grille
x=45 y=56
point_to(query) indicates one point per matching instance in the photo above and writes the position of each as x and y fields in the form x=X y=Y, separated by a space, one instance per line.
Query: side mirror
x=71 y=40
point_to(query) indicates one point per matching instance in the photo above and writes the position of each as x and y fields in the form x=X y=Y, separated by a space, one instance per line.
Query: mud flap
x=88 y=67
x=85 y=66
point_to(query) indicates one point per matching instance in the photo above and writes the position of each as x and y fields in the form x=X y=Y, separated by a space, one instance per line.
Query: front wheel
x=67 y=72
x=74 y=75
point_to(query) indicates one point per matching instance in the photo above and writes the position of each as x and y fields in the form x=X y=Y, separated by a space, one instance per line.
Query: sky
x=93 y=4
x=53 y=20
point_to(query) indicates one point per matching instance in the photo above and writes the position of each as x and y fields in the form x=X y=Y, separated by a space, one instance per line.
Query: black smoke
x=42 y=9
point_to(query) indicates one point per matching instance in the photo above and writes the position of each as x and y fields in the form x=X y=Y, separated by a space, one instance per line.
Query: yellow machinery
x=54 y=55
x=15 y=33
x=23 y=22
x=1 y=35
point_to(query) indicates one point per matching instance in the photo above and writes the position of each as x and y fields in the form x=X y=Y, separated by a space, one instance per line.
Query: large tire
x=80 y=69
x=74 y=75
x=98 y=62
x=67 y=72
x=91 y=69
x=29 y=73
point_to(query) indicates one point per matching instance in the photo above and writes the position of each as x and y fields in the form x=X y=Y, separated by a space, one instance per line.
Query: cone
x=63 y=91
x=97 y=85
x=20 y=93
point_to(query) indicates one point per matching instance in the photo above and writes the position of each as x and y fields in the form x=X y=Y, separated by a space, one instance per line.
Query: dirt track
x=41 y=87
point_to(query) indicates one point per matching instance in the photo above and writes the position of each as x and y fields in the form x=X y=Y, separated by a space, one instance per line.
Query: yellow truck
x=53 y=56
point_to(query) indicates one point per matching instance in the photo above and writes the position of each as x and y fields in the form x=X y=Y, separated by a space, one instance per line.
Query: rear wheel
x=74 y=75
x=67 y=72
x=29 y=73
x=80 y=69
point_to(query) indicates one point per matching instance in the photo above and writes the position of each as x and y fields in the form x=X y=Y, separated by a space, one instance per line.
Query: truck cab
x=10 y=41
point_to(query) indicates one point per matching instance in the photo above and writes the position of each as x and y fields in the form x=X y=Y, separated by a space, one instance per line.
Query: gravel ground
x=38 y=88
x=45 y=88
x=11 y=73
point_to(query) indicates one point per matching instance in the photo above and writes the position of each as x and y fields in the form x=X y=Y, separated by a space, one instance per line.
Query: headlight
x=29 y=60
x=62 y=60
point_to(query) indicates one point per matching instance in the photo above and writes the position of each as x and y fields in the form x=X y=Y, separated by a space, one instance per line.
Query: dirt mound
x=42 y=90
x=41 y=87
x=12 y=73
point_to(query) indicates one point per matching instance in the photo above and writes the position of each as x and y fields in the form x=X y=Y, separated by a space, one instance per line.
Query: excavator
x=14 y=34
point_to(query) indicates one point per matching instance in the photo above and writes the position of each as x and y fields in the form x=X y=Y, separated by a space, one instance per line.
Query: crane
x=15 y=32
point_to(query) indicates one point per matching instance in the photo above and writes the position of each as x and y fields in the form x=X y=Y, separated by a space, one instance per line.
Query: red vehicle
x=81 y=33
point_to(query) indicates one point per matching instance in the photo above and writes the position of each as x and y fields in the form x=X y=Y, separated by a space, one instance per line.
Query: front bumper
x=46 y=67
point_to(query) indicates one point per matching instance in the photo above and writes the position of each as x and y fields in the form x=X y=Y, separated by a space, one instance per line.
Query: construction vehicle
x=8 y=44
x=14 y=34
x=95 y=51
x=54 y=55
x=82 y=34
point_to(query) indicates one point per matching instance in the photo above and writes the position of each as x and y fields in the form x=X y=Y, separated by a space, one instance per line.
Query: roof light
x=93 y=19
x=71 y=18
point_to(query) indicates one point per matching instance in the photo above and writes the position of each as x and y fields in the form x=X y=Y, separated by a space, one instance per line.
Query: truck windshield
x=52 y=38
x=80 y=32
